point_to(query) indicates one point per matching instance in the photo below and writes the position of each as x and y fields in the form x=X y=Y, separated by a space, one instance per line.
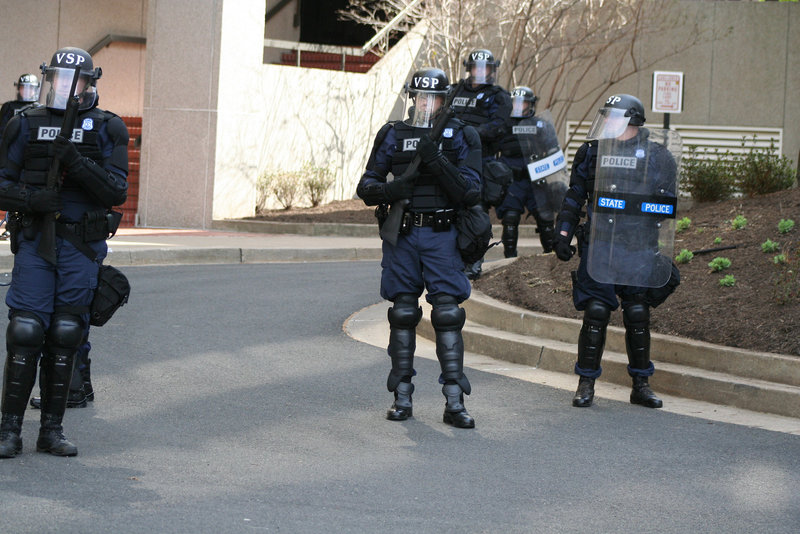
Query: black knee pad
x=512 y=218
x=65 y=332
x=636 y=315
x=406 y=312
x=25 y=333
x=446 y=315
x=596 y=313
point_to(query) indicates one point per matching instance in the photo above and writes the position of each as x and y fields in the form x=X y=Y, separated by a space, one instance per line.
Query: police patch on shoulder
x=539 y=124
x=448 y=133
x=640 y=153
x=480 y=95
x=88 y=124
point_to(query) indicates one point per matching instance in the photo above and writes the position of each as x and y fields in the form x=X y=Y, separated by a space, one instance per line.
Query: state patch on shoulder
x=447 y=133
x=640 y=153
x=88 y=124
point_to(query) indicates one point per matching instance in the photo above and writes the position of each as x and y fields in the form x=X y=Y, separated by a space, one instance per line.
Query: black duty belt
x=429 y=219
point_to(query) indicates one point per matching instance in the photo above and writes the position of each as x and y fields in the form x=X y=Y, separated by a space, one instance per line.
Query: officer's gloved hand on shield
x=564 y=251
x=400 y=188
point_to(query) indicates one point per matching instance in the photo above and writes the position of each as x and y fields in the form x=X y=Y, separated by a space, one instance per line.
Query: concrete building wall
x=31 y=30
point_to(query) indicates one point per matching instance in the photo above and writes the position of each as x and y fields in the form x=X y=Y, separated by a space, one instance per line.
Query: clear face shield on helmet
x=520 y=107
x=609 y=123
x=480 y=72
x=61 y=80
x=422 y=108
x=28 y=92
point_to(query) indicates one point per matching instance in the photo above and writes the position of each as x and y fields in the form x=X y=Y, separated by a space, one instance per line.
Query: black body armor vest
x=471 y=109
x=509 y=145
x=43 y=127
x=428 y=194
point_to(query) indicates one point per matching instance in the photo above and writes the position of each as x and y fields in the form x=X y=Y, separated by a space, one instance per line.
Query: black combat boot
x=511 y=220
x=455 y=414
x=584 y=396
x=642 y=394
x=51 y=437
x=547 y=234
x=401 y=408
x=10 y=440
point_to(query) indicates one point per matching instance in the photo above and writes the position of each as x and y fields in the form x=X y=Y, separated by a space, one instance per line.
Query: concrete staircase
x=756 y=381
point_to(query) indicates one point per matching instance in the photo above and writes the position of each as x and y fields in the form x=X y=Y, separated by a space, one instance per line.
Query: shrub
x=263 y=191
x=683 y=224
x=785 y=226
x=787 y=279
x=727 y=281
x=739 y=222
x=285 y=185
x=317 y=182
x=708 y=178
x=762 y=170
x=685 y=256
x=719 y=264
x=717 y=240
x=779 y=259
x=770 y=246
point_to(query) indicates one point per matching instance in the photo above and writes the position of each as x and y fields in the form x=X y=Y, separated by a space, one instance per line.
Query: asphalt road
x=229 y=399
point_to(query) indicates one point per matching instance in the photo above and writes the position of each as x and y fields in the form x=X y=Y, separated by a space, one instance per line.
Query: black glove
x=65 y=152
x=44 y=201
x=427 y=149
x=401 y=188
x=563 y=249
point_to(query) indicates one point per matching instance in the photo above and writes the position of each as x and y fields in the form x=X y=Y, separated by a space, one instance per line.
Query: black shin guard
x=636 y=317
x=24 y=341
x=510 y=235
x=403 y=319
x=448 y=320
x=592 y=338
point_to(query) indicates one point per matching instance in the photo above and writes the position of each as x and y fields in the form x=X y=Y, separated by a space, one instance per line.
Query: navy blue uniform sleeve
x=12 y=145
x=499 y=118
x=371 y=186
x=577 y=194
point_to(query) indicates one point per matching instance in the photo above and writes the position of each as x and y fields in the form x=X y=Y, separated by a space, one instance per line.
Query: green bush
x=779 y=259
x=770 y=246
x=719 y=264
x=317 y=182
x=717 y=240
x=739 y=222
x=785 y=226
x=683 y=224
x=763 y=170
x=727 y=281
x=708 y=179
x=685 y=256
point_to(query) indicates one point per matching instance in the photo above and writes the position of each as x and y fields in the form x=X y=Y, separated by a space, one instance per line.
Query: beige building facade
x=215 y=116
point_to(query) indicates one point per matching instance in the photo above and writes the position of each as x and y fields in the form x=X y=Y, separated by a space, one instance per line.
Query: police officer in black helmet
x=480 y=103
x=28 y=87
x=628 y=174
x=49 y=302
x=425 y=256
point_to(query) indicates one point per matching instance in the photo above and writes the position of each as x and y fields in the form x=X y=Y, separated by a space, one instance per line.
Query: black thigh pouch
x=112 y=292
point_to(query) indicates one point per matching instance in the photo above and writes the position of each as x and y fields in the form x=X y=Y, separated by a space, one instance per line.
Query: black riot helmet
x=619 y=112
x=523 y=102
x=65 y=64
x=426 y=92
x=481 y=67
x=28 y=88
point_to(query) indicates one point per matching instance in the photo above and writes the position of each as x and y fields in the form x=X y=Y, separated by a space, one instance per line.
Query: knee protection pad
x=636 y=315
x=446 y=315
x=25 y=333
x=65 y=334
x=596 y=313
x=512 y=218
x=406 y=312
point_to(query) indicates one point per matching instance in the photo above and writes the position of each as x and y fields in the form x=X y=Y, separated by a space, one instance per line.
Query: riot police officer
x=425 y=256
x=625 y=245
x=28 y=87
x=49 y=301
x=481 y=103
x=527 y=139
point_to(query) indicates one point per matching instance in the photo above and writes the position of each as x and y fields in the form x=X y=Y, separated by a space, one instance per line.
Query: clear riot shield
x=546 y=163
x=633 y=211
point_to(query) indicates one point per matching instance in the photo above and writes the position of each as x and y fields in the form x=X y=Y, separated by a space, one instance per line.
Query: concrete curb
x=755 y=381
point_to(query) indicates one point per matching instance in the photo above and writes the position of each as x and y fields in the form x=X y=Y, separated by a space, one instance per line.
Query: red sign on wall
x=667 y=92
